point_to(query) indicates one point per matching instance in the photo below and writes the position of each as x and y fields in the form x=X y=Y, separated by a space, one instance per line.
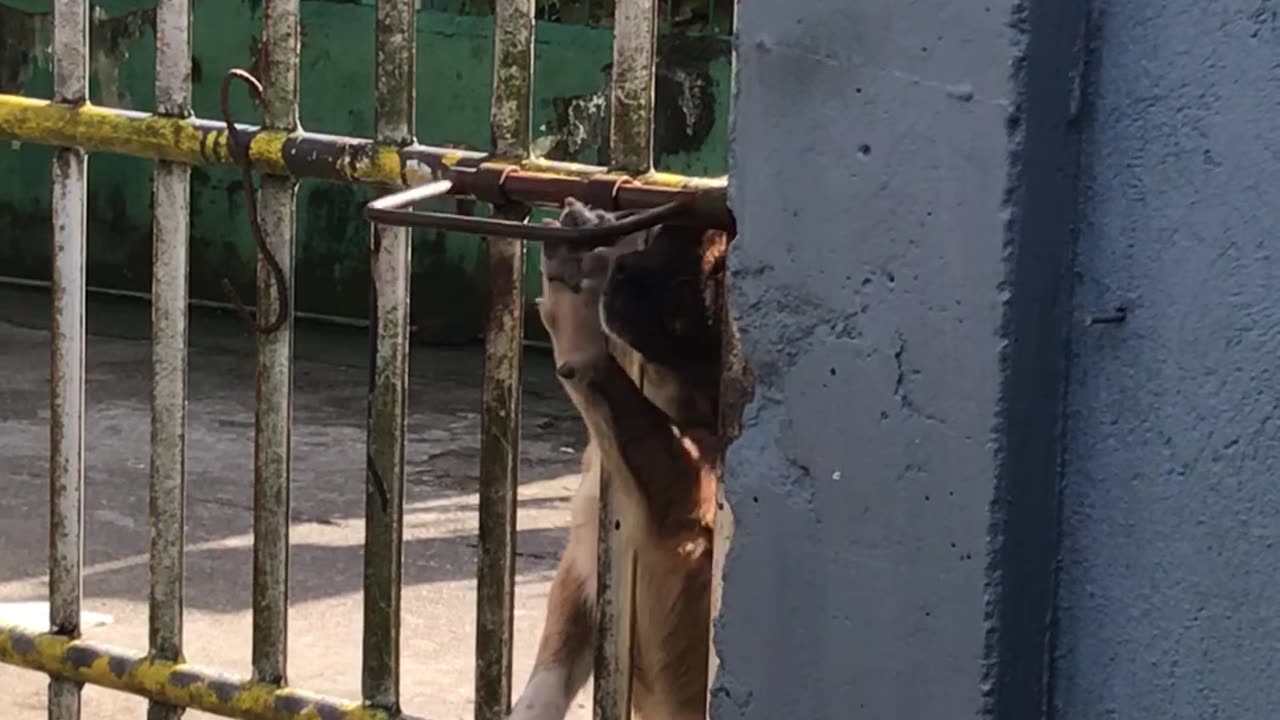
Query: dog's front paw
x=579 y=214
x=572 y=319
x=562 y=261
x=573 y=279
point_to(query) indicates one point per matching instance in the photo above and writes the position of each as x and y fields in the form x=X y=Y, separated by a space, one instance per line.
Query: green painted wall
x=453 y=73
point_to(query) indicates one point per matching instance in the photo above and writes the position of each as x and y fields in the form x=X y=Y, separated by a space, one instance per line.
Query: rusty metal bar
x=66 y=381
x=172 y=203
x=162 y=681
x=615 y=581
x=393 y=210
x=272 y=440
x=635 y=27
x=343 y=159
x=390 y=268
x=504 y=331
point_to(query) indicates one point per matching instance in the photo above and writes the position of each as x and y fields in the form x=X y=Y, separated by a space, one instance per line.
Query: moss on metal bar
x=390 y=261
x=173 y=683
x=304 y=155
x=510 y=122
x=131 y=133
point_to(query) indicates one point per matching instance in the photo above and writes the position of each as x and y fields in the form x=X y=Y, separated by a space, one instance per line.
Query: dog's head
x=663 y=298
x=657 y=292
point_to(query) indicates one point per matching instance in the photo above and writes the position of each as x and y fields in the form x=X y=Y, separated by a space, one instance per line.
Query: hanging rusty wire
x=240 y=152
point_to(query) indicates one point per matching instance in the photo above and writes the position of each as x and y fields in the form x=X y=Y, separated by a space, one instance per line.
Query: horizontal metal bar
x=405 y=198
x=13 y=281
x=172 y=683
x=392 y=210
x=198 y=141
x=350 y=322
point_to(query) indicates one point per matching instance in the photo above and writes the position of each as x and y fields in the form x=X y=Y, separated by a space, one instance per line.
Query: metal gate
x=509 y=178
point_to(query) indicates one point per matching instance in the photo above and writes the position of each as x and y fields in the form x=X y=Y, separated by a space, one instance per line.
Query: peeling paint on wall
x=684 y=106
x=109 y=40
x=579 y=128
x=25 y=45
x=22 y=35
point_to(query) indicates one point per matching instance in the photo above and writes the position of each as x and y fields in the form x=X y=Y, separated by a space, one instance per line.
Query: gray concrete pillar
x=903 y=175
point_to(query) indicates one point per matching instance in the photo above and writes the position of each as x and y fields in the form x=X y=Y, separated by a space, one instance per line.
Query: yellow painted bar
x=172 y=683
x=127 y=133
x=197 y=141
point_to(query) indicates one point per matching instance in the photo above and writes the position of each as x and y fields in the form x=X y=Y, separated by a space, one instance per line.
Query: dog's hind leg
x=566 y=650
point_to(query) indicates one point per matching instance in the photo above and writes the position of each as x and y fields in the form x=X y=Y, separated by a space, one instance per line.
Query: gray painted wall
x=870 y=282
x=1171 y=494
x=905 y=177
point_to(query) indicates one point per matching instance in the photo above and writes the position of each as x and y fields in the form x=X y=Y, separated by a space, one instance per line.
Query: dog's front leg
x=637 y=439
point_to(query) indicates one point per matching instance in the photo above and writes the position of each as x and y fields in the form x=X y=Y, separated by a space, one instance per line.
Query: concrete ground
x=328 y=501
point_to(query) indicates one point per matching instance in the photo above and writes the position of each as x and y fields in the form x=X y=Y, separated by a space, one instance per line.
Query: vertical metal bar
x=615 y=583
x=635 y=35
x=504 y=333
x=172 y=192
x=396 y=41
x=66 y=388
x=635 y=24
x=272 y=451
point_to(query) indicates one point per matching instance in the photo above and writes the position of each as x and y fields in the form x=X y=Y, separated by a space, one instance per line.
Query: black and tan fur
x=655 y=297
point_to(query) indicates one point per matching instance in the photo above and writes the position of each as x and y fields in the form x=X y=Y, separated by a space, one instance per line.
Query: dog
x=655 y=294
